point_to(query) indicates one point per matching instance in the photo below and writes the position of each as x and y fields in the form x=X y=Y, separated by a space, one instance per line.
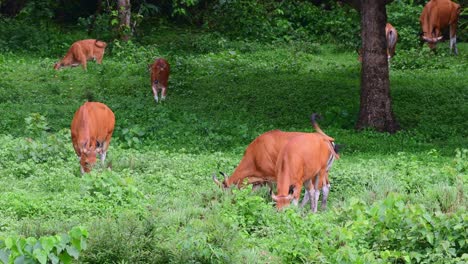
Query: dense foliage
x=267 y=21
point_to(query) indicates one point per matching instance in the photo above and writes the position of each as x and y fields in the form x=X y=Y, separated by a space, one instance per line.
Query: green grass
x=393 y=197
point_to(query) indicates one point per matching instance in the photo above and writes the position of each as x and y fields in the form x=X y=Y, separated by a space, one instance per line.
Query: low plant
x=115 y=189
x=61 y=248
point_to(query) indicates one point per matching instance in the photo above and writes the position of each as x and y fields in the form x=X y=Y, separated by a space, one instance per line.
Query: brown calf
x=160 y=70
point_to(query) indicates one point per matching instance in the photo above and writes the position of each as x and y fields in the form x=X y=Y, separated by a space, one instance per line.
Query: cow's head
x=222 y=184
x=281 y=201
x=88 y=158
x=430 y=39
x=57 y=66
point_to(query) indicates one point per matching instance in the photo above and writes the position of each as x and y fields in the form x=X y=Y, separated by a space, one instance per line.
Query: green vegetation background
x=394 y=198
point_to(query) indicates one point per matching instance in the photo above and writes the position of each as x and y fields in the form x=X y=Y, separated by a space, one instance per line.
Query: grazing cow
x=160 y=70
x=91 y=132
x=437 y=15
x=82 y=51
x=391 y=36
x=304 y=159
x=259 y=161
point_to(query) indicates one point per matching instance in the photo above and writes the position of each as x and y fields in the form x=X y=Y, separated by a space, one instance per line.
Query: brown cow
x=258 y=164
x=82 y=51
x=304 y=159
x=437 y=15
x=91 y=132
x=160 y=70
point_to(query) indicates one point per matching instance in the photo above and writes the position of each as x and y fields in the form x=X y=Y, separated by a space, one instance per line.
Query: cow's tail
x=313 y=120
x=100 y=44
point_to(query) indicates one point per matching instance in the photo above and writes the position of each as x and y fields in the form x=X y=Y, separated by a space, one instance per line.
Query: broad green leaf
x=48 y=243
x=53 y=258
x=72 y=251
x=9 y=242
x=65 y=258
x=40 y=255
x=430 y=238
x=4 y=255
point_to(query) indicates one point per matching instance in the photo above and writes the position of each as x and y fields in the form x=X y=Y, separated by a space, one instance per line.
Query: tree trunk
x=124 y=19
x=376 y=104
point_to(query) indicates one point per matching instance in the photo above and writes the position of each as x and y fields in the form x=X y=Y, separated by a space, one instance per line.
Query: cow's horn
x=274 y=197
x=432 y=40
x=217 y=181
x=224 y=174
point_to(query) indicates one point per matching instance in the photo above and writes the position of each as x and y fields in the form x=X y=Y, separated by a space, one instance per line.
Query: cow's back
x=439 y=13
x=306 y=154
x=92 y=121
x=90 y=47
x=267 y=147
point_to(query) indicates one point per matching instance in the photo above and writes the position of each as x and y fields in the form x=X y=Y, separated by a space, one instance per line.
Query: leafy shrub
x=36 y=125
x=112 y=188
x=48 y=249
x=395 y=231
x=131 y=137
x=42 y=146
x=128 y=238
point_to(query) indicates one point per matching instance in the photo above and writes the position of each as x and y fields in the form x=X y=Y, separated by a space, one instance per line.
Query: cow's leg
x=453 y=38
x=325 y=191
x=103 y=157
x=316 y=199
x=99 y=58
x=82 y=60
x=163 y=93
x=154 y=86
x=312 y=194
x=308 y=186
x=318 y=181
x=297 y=193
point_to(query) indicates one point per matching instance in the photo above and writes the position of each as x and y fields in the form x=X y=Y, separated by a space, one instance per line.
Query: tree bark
x=124 y=19
x=376 y=104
